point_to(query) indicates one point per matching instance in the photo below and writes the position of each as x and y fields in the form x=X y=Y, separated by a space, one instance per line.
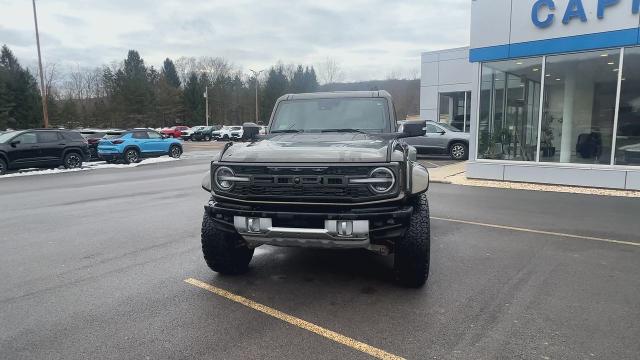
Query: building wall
x=443 y=71
x=502 y=29
x=507 y=29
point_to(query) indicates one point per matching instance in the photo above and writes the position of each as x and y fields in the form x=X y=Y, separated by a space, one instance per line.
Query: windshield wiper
x=344 y=131
x=286 y=131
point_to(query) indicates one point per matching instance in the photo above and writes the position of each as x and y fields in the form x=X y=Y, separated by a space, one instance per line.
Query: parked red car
x=174 y=131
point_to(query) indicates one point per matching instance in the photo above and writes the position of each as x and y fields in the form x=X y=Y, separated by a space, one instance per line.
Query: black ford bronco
x=332 y=172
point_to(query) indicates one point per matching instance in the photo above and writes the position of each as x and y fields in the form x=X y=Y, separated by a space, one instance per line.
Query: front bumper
x=366 y=228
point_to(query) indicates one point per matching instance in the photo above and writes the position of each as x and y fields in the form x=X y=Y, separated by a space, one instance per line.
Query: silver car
x=442 y=138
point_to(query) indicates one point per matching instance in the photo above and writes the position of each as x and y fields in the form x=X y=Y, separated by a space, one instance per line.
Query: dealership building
x=548 y=89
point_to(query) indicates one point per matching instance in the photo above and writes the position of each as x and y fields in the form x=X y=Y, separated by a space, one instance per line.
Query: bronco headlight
x=381 y=180
x=225 y=178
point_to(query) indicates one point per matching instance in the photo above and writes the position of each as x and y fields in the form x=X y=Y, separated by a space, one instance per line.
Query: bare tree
x=329 y=71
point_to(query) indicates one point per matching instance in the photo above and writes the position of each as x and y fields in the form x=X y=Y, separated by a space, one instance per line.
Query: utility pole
x=45 y=111
x=256 y=74
x=206 y=96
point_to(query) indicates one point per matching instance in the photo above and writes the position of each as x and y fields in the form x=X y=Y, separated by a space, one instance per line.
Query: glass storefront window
x=509 y=109
x=628 y=137
x=579 y=107
x=455 y=109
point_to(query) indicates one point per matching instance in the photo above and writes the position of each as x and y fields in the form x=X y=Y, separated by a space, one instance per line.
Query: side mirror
x=165 y=136
x=14 y=143
x=250 y=131
x=442 y=132
x=413 y=129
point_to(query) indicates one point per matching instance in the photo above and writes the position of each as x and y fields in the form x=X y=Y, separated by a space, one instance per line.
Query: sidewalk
x=455 y=174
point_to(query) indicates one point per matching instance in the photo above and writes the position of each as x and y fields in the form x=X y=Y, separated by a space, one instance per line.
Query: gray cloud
x=368 y=37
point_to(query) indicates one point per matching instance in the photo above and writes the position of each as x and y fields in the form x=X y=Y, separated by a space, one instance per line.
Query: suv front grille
x=304 y=183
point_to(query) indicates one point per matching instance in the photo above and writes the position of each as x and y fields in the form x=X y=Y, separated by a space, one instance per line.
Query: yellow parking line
x=331 y=335
x=573 y=236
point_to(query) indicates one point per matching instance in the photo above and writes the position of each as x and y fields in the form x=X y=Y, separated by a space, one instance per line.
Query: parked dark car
x=204 y=134
x=42 y=148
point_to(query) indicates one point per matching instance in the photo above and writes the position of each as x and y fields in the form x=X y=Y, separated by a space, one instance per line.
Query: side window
x=153 y=135
x=432 y=129
x=76 y=136
x=26 y=138
x=47 y=137
x=140 y=135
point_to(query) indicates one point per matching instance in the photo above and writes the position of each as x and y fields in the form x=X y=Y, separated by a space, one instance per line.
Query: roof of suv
x=337 y=94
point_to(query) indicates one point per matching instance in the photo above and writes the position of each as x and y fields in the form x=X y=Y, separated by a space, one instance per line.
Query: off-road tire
x=412 y=251
x=224 y=252
x=459 y=151
x=72 y=160
x=129 y=156
x=175 y=151
x=3 y=167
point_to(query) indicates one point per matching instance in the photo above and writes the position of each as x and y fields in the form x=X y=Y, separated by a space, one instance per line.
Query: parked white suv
x=228 y=133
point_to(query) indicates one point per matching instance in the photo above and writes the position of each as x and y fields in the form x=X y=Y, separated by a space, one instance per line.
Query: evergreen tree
x=310 y=80
x=276 y=86
x=19 y=95
x=194 y=101
x=298 y=81
x=170 y=73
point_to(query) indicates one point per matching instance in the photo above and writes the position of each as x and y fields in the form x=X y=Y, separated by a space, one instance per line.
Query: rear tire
x=3 y=167
x=412 y=251
x=72 y=160
x=459 y=151
x=207 y=138
x=131 y=156
x=224 y=252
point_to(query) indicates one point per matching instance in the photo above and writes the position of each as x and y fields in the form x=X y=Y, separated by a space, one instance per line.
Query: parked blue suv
x=131 y=146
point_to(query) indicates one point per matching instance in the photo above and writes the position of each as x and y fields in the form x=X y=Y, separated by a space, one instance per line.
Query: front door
x=26 y=152
x=157 y=143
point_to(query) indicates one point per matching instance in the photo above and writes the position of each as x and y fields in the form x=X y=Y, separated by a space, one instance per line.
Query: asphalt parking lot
x=94 y=265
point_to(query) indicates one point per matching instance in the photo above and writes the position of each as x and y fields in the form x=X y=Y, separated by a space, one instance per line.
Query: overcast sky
x=369 y=38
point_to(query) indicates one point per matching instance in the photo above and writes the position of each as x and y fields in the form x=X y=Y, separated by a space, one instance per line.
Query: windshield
x=317 y=115
x=4 y=137
x=449 y=127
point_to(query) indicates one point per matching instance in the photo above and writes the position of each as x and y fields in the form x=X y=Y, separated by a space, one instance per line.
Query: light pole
x=45 y=112
x=206 y=96
x=256 y=74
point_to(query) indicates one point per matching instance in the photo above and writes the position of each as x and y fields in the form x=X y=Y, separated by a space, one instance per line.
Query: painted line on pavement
x=572 y=236
x=331 y=335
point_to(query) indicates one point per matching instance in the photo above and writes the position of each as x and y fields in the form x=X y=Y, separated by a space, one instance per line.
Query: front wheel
x=412 y=251
x=175 y=152
x=458 y=151
x=224 y=252
x=207 y=138
x=72 y=160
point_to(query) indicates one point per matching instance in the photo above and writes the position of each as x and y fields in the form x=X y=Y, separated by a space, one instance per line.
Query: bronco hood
x=311 y=148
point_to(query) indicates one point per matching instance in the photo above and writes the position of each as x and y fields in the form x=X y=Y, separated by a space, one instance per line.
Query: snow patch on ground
x=87 y=167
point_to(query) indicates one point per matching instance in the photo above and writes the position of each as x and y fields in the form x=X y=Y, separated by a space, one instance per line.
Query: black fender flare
x=74 y=149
